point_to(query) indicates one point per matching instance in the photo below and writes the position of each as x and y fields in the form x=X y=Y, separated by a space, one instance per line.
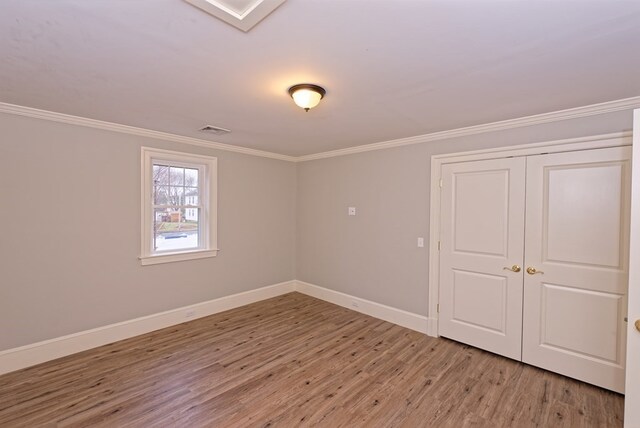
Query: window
x=178 y=206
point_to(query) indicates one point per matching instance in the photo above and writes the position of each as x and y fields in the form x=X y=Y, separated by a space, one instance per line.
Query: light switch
x=352 y=210
x=420 y=242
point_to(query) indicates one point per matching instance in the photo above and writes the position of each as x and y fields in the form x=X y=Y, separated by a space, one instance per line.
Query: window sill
x=177 y=257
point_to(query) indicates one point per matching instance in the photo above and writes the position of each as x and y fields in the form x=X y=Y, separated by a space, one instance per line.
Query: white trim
x=208 y=185
x=432 y=327
x=572 y=113
x=632 y=374
x=434 y=247
x=177 y=257
x=573 y=144
x=387 y=313
x=243 y=21
x=132 y=130
x=36 y=353
x=615 y=139
x=556 y=116
x=47 y=350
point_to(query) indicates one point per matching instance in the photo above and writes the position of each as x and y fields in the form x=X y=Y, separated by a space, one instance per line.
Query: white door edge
x=632 y=376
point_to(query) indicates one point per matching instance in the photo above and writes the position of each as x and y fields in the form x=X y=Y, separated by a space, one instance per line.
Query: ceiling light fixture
x=307 y=95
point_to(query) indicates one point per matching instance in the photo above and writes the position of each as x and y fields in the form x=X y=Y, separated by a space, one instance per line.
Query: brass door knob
x=514 y=268
x=533 y=271
x=637 y=324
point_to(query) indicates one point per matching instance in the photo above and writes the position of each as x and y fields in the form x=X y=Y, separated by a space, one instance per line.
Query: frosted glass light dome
x=307 y=95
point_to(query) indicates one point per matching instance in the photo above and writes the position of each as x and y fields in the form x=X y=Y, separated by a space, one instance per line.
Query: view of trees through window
x=176 y=207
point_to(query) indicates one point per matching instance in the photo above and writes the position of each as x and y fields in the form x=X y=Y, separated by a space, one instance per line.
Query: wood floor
x=296 y=361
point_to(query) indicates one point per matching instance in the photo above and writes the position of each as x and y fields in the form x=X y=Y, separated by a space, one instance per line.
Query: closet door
x=576 y=252
x=481 y=253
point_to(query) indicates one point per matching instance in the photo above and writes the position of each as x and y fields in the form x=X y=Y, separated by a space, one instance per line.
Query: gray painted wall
x=70 y=224
x=70 y=231
x=374 y=255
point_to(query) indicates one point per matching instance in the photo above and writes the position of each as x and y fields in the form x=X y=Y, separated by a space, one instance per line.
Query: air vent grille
x=215 y=130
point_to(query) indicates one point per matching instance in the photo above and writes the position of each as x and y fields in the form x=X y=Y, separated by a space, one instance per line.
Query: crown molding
x=537 y=119
x=556 y=116
x=132 y=130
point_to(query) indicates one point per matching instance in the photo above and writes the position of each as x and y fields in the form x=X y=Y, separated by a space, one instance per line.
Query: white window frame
x=208 y=220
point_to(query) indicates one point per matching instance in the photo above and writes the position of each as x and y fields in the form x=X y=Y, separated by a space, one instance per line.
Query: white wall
x=374 y=255
x=70 y=231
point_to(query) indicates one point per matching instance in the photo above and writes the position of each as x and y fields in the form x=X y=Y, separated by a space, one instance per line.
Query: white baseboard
x=36 y=353
x=40 y=352
x=397 y=316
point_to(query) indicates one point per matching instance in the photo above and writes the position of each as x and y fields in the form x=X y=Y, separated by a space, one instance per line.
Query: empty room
x=331 y=213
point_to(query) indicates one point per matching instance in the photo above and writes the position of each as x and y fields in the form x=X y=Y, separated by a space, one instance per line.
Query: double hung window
x=178 y=206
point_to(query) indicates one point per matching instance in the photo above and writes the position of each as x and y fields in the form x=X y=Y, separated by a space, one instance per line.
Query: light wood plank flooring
x=296 y=361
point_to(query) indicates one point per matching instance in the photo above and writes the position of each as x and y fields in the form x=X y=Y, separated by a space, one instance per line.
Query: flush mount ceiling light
x=307 y=95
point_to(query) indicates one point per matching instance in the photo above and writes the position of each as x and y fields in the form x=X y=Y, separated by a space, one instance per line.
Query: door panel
x=482 y=220
x=578 y=229
x=469 y=306
x=594 y=312
x=485 y=234
x=576 y=235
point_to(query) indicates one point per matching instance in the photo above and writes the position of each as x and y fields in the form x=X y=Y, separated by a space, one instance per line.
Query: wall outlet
x=352 y=210
x=190 y=313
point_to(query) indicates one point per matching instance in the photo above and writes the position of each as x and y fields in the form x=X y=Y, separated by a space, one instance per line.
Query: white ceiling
x=392 y=68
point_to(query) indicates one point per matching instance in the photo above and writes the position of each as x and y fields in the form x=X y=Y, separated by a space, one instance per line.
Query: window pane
x=176 y=176
x=176 y=195
x=190 y=196
x=191 y=216
x=176 y=229
x=191 y=177
x=160 y=174
x=161 y=195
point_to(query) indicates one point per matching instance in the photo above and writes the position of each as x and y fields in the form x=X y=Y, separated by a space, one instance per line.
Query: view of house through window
x=176 y=205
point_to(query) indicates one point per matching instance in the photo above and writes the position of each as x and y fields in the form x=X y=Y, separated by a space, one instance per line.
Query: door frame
x=632 y=388
x=558 y=146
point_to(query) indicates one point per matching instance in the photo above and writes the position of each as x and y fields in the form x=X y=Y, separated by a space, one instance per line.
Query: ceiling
x=392 y=68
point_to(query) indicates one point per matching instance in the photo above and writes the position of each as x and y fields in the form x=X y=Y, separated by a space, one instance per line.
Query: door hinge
x=438 y=245
x=438 y=308
x=440 y=183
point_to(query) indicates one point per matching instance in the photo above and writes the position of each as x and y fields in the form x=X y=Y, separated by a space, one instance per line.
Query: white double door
x=534 y=260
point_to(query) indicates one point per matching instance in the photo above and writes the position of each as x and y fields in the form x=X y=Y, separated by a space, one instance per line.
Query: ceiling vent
x=214 y=130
